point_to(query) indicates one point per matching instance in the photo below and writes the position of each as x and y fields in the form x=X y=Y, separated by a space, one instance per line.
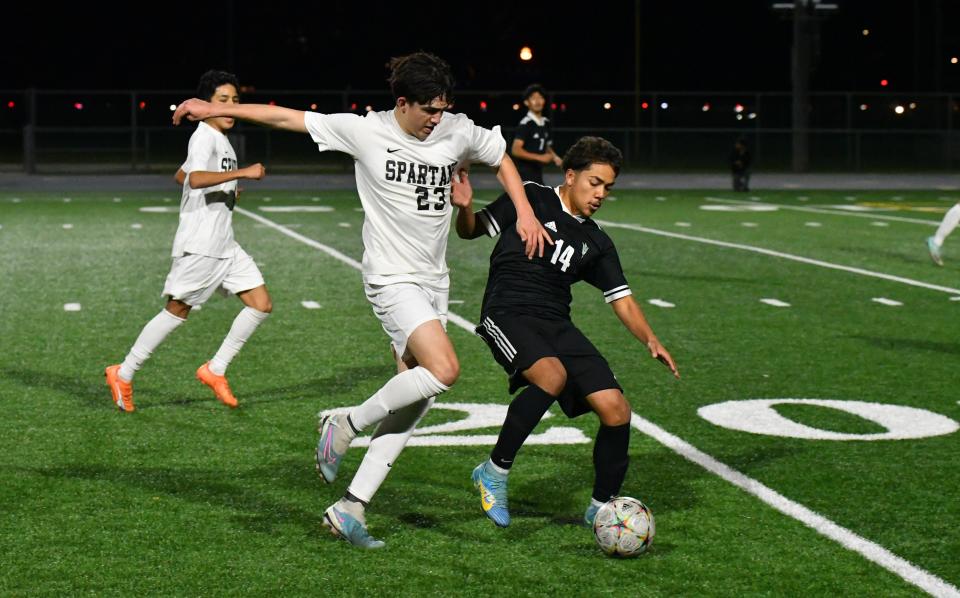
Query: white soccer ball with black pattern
x=624 y=527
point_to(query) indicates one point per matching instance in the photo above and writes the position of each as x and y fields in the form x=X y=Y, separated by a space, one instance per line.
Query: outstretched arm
x=632 y=317
x=276 y=117
x=531 y=231
x=202 y=179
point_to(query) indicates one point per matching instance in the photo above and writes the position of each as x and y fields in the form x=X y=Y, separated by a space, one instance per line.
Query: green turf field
x=186 y=497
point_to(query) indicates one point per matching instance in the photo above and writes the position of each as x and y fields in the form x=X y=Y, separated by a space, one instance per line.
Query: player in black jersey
x=532 y=145
x=525 y=319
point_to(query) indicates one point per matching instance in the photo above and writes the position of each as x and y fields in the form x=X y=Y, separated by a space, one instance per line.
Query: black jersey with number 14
x=540 y=286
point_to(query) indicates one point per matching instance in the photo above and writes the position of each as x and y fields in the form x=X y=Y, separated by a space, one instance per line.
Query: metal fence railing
x=130 y=131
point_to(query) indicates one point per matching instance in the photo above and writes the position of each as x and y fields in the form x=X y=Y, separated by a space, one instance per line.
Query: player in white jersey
x=935 y=243
x=205 y=255
x=404 y=161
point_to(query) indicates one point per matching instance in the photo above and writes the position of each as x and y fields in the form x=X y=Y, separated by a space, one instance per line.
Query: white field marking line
x=774 y=302
x=871 y=551
x=310 y=304
x=307 y=240
x=870 y=215
x=661 y=303
x=820 y=524
x=885 y=301
x=786 y=256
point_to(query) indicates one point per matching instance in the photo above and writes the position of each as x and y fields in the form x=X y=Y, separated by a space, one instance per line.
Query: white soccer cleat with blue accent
x=493 y=493
x=934 y=250
x=334 y=441
x=349 y=527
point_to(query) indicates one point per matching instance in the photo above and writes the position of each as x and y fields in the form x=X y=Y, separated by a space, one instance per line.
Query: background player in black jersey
x=525 y=319
x=532 y=145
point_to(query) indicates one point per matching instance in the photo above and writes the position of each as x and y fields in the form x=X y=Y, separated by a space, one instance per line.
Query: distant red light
x=483 y=105
x=353 y=106
x=78 y=105
x=272 y=103
x=143 y=105
x=884 y=82
x=11 y=104
x=563 y=107
x=644 y=105
x=553 y=106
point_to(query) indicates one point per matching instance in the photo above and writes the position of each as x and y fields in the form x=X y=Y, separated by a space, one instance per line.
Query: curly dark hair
x=420 y=77
x=592 y=150
x=212 y=79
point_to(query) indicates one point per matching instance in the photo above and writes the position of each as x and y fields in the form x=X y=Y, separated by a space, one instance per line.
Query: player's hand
x=660 y=354
x=193 y=109
x=533 y=235
x=255 y=172
x=557 y=160
x=461 y=192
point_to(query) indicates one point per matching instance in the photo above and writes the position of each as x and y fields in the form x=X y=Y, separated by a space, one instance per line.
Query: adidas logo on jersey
x=583 y=251
x=551 y=225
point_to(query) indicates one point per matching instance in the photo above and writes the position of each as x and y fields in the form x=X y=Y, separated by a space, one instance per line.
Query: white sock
x=950 y=221
x=401 y=390
x=243 y=326
x=596 y=502
x=497 y=468
x=388 y=441
x=150 y=338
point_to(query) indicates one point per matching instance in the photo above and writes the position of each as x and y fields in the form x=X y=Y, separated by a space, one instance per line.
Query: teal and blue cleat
x=493 y=493
x=934 y=249
x=591 y=514
x=334 y=442
x=352 y=529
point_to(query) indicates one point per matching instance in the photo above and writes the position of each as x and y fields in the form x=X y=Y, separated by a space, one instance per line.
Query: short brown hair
x=420 y=77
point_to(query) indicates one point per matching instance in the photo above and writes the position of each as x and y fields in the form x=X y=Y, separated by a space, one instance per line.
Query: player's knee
x=446 y=371
x=554 y=383
x=615 y=413
x=178 y=308
x=266 y=306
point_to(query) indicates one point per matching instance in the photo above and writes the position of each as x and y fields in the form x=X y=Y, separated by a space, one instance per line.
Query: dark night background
x=693 y=45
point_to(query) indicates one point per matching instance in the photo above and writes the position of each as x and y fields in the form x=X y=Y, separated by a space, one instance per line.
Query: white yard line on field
x=781 y=255
x=870 y=215
x=846 y=538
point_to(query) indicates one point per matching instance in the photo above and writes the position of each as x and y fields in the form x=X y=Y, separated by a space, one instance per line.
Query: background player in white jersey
x=525 y=320
x=404 y=160
x=205 y=255
x=947 y=225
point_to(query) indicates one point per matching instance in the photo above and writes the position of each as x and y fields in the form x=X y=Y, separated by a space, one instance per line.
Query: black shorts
x=517 y=342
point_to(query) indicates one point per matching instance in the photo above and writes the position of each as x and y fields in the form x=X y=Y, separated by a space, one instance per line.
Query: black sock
x=610 y=460
x=523 y=415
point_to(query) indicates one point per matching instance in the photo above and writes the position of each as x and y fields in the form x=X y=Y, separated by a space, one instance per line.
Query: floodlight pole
x=802 y=12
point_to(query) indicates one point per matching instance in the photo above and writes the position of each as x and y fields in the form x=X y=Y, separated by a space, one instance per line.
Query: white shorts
x=193 y=278
x=403 y=306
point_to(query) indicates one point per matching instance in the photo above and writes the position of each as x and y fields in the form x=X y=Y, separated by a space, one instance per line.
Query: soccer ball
x=624 y=527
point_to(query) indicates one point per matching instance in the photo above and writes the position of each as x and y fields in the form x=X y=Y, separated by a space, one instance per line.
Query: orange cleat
x=121 y=390
x=218 y=383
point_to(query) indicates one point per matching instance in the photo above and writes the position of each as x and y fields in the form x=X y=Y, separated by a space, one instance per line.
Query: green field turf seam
x=870 y=550
x=871 y=216
x=782 y=255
